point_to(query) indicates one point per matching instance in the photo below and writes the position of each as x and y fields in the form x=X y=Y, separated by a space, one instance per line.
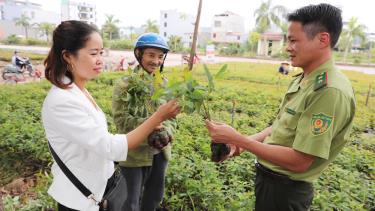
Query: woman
x=74 y=124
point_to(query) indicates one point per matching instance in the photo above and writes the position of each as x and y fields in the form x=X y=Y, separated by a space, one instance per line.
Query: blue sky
x=136 y=12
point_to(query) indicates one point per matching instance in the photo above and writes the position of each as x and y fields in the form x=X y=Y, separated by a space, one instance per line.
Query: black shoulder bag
x=114 y=195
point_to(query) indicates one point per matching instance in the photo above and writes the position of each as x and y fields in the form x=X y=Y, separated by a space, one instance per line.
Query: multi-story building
x=11 y=10
x=228 y=27
x=174 y=23
x=82 y=11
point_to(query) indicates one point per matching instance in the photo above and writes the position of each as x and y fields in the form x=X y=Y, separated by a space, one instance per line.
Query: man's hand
x=222 y=133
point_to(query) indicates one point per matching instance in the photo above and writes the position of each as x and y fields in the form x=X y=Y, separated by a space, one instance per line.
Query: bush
x=120 y=44
x=12 y=40
x=32 y=41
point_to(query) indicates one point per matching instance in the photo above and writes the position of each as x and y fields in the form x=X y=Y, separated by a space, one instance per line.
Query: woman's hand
x=168 y=110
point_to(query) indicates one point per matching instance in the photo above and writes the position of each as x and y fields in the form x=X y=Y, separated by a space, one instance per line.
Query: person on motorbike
x=19 y=61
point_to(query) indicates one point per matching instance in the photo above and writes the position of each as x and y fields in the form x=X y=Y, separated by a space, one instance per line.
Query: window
x=165 y=24
x=214 y=35
x=165 y=34
x=217 y=23
x=238 y=37
x=165 y=15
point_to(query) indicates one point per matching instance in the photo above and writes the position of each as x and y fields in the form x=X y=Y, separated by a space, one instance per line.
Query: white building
x=82 y=11
x=10 y=10
x=228 y=27
x=176 y=23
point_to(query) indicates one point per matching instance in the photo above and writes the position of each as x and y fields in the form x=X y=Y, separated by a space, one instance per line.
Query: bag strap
x=71 y=176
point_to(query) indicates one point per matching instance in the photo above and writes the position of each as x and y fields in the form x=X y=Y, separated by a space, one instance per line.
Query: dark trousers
x=61 y=207
x=145 y=185
x=275 y=192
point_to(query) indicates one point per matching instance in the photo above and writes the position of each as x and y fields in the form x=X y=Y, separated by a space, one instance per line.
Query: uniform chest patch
x=320 y=123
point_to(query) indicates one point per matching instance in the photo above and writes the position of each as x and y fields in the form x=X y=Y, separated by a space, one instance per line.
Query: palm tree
x=151 y=26
x=110 y=26
x=351 y=31
x=266 y=15
x=175 y=42
x=46 y=28
x=23 y=21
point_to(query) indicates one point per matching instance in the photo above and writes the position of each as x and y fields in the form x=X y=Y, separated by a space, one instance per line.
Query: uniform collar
x=310 y=79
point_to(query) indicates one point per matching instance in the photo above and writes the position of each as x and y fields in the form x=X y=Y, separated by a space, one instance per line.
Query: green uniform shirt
x=128 y=117
x=315 y=118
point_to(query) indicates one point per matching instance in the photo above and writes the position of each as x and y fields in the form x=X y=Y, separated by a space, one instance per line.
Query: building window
x=238 y=37
x=217 y=23
x=165 y=34
x=165 y=24
x=214 y=35
x=165 y=15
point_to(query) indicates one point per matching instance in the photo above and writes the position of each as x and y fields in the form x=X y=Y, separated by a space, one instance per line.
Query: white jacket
x=78 y=132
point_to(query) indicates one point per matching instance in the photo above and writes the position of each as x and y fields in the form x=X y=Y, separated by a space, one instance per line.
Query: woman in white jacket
x=75 y=126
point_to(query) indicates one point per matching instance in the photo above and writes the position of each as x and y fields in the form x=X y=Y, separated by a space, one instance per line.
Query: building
x=82 y=11
x=10 y=10
x=228 y=27
x=174 y=23
x=270 y=43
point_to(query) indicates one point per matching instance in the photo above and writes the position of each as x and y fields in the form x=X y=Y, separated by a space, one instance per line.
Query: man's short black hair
x=319 y=18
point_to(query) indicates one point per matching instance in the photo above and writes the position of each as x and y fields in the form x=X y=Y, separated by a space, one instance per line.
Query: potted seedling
x=193 y=97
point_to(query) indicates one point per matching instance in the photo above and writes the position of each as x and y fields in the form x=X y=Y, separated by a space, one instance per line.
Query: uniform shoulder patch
x=320 y=81
x=320 y=123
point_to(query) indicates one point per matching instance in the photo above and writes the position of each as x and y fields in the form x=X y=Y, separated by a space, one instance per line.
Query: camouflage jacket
x=131 y=106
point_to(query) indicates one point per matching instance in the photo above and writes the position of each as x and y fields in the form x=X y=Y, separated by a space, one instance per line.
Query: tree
x=266 y=15
x=151 y=26
x=110 y=27
x=253 y=40
x=23 y=21
x=175 y=43
x=195 y=36
x=46 y=28
x=352 y=30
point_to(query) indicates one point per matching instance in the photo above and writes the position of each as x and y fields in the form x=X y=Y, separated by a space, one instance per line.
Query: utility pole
x=195 y=36
x=368 y=94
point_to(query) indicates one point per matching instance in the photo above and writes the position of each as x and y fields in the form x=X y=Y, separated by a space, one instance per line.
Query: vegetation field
x=193 y=182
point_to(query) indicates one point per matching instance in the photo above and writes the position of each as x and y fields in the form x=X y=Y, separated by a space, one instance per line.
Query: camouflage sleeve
x=170 y=126
x=123 y=118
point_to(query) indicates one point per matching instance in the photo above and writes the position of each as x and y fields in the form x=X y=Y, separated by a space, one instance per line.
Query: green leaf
x=210 y=79
x=223 y=70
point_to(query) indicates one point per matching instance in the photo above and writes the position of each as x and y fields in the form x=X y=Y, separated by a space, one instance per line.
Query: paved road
x=175 y=59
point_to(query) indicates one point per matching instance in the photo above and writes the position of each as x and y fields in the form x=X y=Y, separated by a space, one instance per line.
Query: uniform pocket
x=290 y=120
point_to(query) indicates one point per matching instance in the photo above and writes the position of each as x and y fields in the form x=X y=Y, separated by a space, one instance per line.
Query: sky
x=137 y=12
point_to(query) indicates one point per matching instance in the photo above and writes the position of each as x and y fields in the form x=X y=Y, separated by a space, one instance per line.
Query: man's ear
x=324 y=39
x=137 y=52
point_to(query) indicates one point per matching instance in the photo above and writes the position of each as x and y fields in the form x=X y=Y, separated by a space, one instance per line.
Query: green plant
x=12 y=39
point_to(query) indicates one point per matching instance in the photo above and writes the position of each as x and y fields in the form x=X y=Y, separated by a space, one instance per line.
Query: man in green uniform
x=144 y=169
x=314 y=118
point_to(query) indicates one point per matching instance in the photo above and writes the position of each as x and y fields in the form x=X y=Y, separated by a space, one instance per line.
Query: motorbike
x=13 y=72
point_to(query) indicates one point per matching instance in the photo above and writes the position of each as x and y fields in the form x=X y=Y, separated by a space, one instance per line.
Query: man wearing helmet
x=144 y=169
